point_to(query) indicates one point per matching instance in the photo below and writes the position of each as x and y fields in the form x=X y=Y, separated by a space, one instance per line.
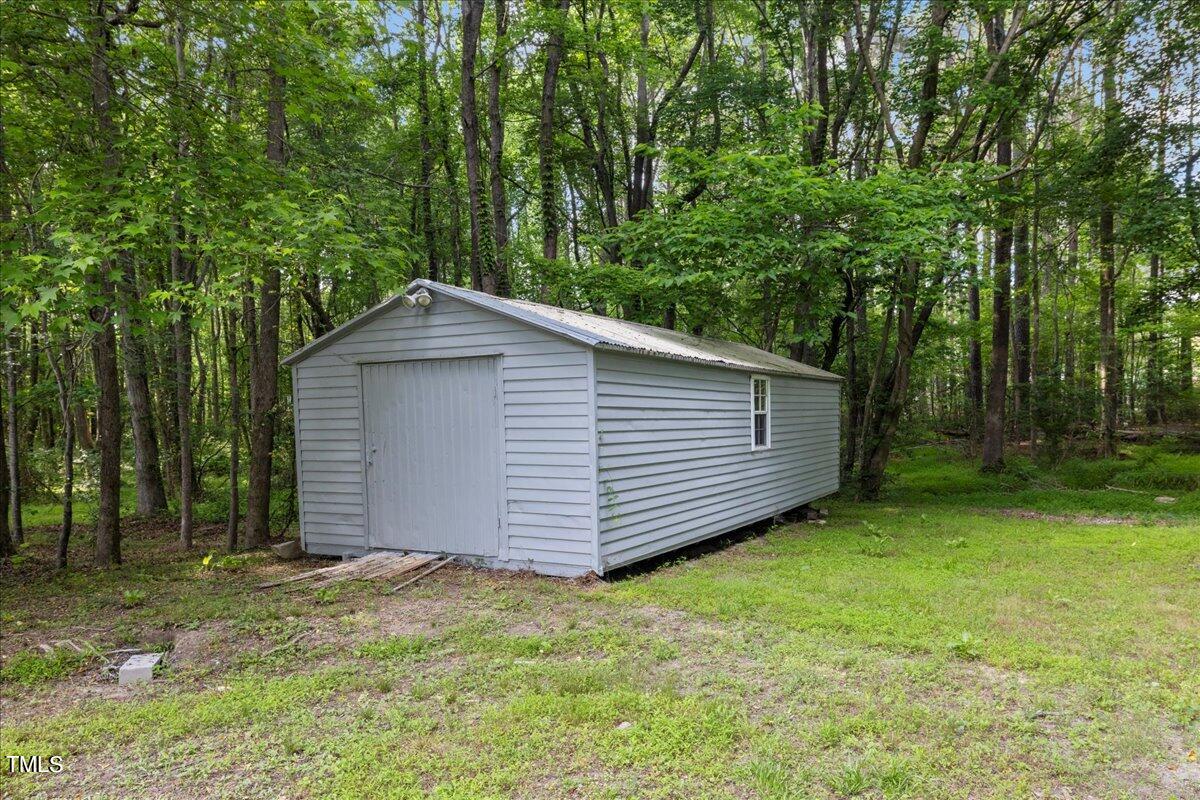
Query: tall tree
x=1021 y=316
x=13 y=463
x=183 y=276
x=448 y=164
x=482 y=260
x=235 y=429
x=147 y=469
x=497 y=72
x=6 y=540
x=425 y=121
x=879 y=430
x=264 y=344
x=63 y=364
x=104 y=342
x=993 y=424
x=1109 y=375
x=974 y=346
x=1156 y=407
x=546 y=178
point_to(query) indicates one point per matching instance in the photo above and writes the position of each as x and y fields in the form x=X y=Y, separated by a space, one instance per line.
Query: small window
x=760 y=413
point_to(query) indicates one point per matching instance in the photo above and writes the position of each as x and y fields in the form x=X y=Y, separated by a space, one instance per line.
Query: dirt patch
x=1076 y=519
x=408 y=617
x=1182 y=779
x=530 y=628
x=204 y=647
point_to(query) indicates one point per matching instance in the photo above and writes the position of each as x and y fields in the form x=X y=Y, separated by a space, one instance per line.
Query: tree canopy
x=985 y=216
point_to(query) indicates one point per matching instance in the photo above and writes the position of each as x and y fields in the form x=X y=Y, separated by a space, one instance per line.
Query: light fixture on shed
x=421 y=297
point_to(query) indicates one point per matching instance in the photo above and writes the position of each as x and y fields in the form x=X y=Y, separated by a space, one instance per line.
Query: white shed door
x=433 y=455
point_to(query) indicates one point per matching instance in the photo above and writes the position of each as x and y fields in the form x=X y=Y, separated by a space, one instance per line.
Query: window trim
x=765 y=412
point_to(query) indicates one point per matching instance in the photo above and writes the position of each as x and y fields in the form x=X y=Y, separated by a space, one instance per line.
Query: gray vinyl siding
x=674 y=458
x=549 y=486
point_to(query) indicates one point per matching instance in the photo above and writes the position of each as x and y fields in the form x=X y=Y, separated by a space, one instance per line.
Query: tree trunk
x=426 y=124
x=64 y=380
x=200 y=370
x=183 y=277
x=857 y=339
x=1021 y=325
x=818 y=80
x=480 y=258
x=151 y=493
x=1069 y=344
x=1186 y=378
x=264 y=353
x=168 y=412
x=104 y=344
x=993 y=428
x=235 y=428
x=68 y=493
x=975 y=350
x=448 y=165
x=1109 y=380
x=13 y=462
x=181 y=273
x=83 y=426
x=546 y=178
x=7 y=546
x=638 y=197
x=108 y=415
x=498 y=281
x=880 y=426
x=310 y=291
x=997 y=390
x=1035 y=312
x=1156 y=407
x=879 y=429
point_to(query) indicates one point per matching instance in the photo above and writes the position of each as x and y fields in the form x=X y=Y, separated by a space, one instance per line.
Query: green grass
x=1127 y=486
x=932 y=645
x=32 y=667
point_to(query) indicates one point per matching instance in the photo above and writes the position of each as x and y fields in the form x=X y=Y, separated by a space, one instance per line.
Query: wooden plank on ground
x=384 y=569
x=374 y=566
x=345 y=566
x=429 y=571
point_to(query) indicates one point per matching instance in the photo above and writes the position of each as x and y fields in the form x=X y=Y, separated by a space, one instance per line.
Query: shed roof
x=595 y=331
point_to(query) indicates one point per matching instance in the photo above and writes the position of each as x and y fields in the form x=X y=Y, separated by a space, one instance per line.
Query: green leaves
x=771 y=231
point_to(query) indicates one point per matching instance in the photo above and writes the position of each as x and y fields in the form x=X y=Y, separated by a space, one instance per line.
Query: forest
x=985 y=216
x=965 y=565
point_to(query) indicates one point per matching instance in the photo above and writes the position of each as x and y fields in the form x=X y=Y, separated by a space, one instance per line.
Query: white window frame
x=766 y=445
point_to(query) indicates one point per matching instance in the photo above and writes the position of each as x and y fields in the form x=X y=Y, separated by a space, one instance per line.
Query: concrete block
x=138 y=669
x=287 y=551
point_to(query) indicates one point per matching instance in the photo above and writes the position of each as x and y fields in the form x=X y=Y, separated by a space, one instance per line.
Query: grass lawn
x=1036 y=635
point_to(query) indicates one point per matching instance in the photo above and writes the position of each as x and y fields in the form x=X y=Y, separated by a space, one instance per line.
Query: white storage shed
x=526 y=436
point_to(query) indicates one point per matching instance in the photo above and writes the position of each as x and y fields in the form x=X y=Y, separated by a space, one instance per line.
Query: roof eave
x=503 y=309
x=702 y=362
x=566 y=331
x=316 y=345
